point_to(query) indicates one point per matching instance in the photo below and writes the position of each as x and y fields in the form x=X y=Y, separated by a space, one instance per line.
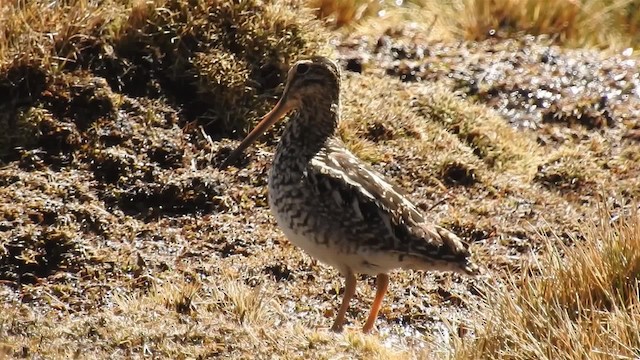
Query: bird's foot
x=373 y=330
x=337 y=328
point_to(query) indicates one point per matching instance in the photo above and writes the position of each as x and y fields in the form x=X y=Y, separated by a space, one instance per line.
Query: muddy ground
x=110 y=192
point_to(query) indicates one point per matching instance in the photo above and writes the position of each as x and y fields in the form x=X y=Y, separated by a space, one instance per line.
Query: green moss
x=568 y=169
x=223 y=81
x=491 y=137
x=220 y=61
x=220 y=58
x=21 y=81
x=22 y=130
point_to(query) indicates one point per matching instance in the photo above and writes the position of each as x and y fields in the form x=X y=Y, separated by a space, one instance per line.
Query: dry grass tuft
x=572 y=23
x=341 y=13
x=569 y=22
x=181 y=299
x=484 y=18
x=370 y=346
x=247 y=305
x=574 y=303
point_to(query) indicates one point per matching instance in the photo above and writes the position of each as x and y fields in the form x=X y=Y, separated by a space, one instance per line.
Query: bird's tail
x=461 y=249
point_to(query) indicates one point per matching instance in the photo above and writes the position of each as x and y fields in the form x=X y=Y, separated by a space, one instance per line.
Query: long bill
x=281 y=109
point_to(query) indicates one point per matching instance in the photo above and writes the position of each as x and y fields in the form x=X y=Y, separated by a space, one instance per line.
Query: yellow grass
x=569 y=22
x=573 y=303
x=341 y=13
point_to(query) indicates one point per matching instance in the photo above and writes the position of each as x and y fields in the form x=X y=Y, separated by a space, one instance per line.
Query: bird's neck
x=308 y=130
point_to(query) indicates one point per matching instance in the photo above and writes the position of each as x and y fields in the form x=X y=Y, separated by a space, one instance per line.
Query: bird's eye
x=302 y=69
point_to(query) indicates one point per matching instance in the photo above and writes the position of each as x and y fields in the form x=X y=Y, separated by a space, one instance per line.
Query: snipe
x=337 y=208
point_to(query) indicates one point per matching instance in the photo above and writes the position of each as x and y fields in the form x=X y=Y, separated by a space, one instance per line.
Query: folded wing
x=379 y=209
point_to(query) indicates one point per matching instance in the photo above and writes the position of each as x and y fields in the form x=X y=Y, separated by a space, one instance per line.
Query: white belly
x=311 y=235
x=326 y=254
x=361 y=262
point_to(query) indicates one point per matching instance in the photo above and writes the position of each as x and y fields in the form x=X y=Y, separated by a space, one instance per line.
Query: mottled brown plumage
x=335 y=207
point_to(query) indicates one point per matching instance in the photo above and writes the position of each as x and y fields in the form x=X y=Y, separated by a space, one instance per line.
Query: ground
x=121 y=238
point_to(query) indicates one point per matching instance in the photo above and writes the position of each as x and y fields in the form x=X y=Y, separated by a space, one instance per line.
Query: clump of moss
x=220 y=58
x=52 y=115
x=567 y=169
x=181 y=194
x=54 y=139
x=21 y=131
x=377 y=109
x=21 y=82
x=223 y=80
x=117 y=164
x=374 y=110
x=491 y=137
x=219 y=61
x=38 y=252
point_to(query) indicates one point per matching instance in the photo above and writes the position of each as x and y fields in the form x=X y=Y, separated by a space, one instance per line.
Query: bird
x=336 y=207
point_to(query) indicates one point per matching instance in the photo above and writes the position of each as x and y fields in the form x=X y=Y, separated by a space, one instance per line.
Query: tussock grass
x=370 y=347
x=382 y=111
x=579 y=302
x=375 y=110
x=569 y=22
x=222 y=61
x=341 y=13
x=247 y=305
x=489 y=135
x=569 y=168
x=180 y=298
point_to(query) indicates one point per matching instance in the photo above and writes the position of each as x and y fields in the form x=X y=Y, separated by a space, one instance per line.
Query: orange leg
x=382 y=284
x=349 y=291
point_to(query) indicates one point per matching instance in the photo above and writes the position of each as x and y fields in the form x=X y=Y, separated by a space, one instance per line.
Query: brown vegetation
x=572 y=303
x=120 y=238
x=570 y=23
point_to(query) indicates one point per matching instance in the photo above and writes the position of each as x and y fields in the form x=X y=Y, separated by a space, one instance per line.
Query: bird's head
x=311 y=79
x=307 y=81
